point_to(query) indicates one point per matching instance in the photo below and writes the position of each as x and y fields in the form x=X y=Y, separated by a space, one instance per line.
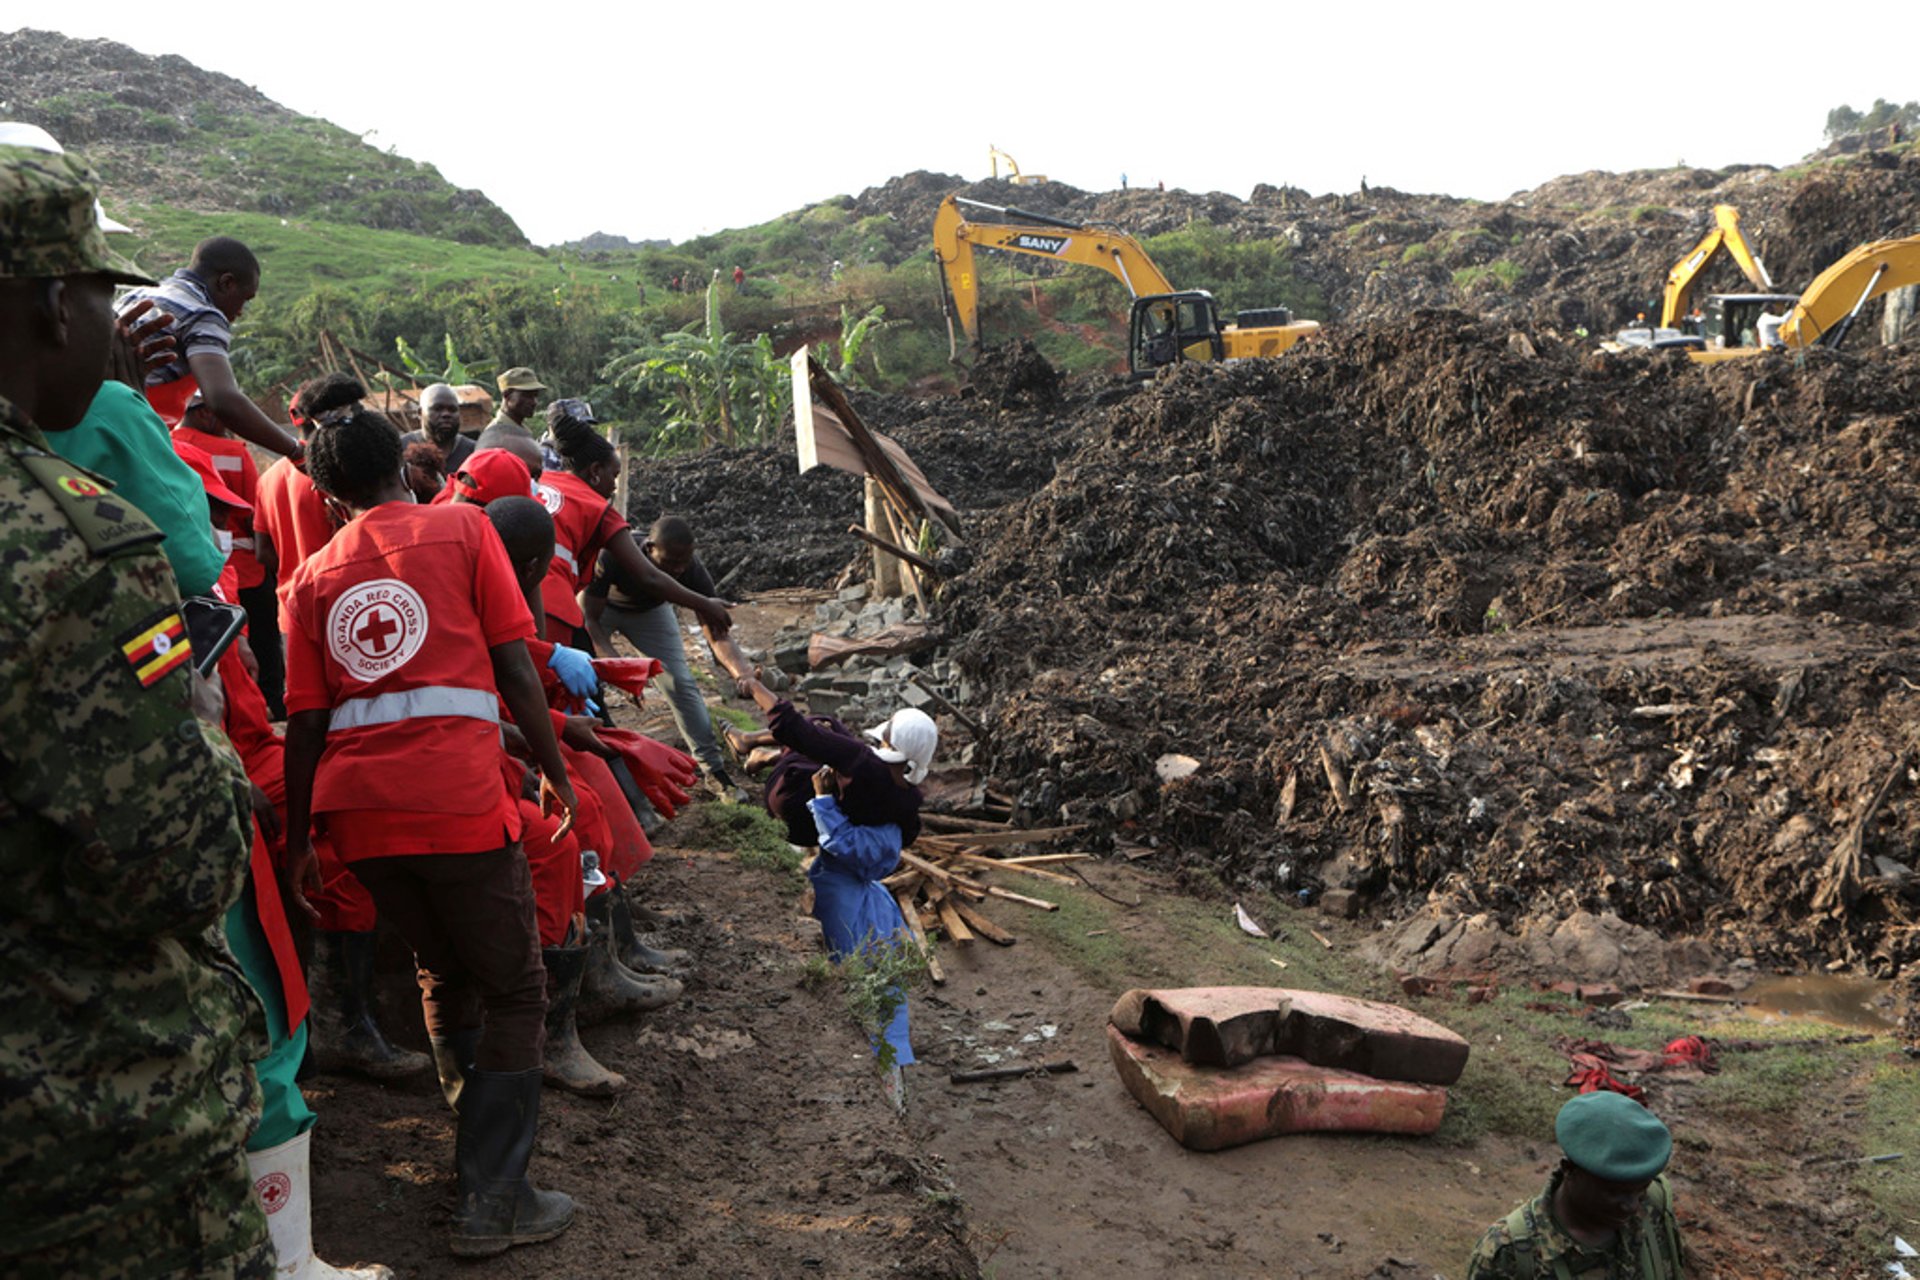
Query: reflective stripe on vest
x=414 y=704
x=565 y=556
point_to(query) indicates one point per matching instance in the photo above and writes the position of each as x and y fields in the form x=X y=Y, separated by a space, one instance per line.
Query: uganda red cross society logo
x=374 y=629
x=274 y=1191
x=551 y=499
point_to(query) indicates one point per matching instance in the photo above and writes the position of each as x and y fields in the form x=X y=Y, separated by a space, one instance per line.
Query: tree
x=725 y=390
x=1843 y=119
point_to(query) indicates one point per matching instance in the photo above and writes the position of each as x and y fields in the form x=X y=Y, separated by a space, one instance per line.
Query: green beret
x=1613 y=1137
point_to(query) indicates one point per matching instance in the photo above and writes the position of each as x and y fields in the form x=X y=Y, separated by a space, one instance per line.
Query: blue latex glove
x=575 y=670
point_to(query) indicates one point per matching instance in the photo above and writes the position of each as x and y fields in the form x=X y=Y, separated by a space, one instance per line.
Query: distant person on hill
x=519 y=397
x=1605 y=1211
x=204 y=298
x=739 y=278
x=440 y=412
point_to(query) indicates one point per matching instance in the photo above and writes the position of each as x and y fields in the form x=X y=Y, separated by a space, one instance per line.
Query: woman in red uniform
x=404 y=634
x=578 y=497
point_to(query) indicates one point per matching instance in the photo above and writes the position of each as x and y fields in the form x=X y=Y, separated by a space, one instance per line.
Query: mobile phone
x=212 y=626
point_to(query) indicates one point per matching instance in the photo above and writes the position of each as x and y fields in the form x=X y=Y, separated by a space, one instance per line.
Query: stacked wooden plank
x=948 y=876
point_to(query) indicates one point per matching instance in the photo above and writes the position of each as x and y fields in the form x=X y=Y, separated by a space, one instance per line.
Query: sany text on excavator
x=1167 y=326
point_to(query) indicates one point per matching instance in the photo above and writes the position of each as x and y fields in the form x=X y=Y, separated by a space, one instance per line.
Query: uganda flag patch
x=158 y=647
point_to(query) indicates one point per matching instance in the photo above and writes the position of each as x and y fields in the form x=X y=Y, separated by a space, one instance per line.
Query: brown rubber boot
x=568 y=1064
x=610 y=988
x=342 y=1033
x=628 y=946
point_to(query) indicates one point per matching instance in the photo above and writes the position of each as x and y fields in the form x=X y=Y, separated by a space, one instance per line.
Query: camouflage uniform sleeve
x=1494 y=1258
x=125 y=810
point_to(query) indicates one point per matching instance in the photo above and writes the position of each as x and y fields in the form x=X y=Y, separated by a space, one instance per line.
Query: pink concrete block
x=1230 y=1026
x=1209 y=1108
x=1211 y=1026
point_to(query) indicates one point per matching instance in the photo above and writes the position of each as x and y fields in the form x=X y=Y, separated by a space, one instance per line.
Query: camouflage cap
x=520 y=378
x=47 y=222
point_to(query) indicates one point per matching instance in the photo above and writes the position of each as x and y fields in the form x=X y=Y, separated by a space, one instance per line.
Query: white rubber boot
x=281 y=1185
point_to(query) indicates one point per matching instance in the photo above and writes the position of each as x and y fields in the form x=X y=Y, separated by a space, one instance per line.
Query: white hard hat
x=18 y=133
x=909 y=737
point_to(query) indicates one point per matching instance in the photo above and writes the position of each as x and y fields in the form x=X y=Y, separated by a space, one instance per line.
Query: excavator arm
x=1829 y=306
x=1725 y=235
x=1036 y=234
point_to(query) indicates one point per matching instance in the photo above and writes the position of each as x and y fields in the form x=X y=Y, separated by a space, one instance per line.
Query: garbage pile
x=1452 y=610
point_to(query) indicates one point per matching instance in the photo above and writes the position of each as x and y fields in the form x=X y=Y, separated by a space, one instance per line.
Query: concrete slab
x=1230 y=1026
x=1208 y=1108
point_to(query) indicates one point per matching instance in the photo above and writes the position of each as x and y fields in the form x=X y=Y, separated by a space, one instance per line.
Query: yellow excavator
x=1725 y=237
x=1167 y=326
x=995 y=155
x=1821 y=316
x=1676 y=300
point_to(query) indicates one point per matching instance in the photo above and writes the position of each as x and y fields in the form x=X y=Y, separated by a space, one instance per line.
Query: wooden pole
x=886 y=568
x=913 y=558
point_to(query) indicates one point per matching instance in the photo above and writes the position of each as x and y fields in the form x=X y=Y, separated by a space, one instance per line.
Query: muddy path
x=758 y=1143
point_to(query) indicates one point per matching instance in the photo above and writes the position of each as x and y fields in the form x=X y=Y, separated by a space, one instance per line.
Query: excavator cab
x=1170 y=327
x=1733 y=319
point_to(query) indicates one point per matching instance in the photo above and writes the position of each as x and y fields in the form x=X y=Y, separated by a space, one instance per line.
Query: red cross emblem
x=375 y=635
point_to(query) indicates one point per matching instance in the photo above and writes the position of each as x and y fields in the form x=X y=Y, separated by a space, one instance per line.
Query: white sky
x=667 y=120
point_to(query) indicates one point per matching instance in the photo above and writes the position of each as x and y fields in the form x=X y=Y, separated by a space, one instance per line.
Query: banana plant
x=727 y=391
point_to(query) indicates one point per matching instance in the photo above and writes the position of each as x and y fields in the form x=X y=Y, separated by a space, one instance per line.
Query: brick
x=1344 y=903
x=1208 y=1109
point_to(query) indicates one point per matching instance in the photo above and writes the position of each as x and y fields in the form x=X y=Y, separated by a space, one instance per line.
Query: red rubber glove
x=630 y=674
x=662 y=772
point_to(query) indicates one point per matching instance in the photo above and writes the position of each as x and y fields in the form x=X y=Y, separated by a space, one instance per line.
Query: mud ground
x=757 y=1142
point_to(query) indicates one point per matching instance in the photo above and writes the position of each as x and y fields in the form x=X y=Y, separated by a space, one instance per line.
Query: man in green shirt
x=1606 y=1213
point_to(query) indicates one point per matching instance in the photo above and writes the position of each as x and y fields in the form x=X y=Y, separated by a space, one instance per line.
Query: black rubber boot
x=628 y=947
x=568 y=1064
x=499 y=1207
x=453 y=1058
x=343 y=1035
x=650 y=820
x=609 y=987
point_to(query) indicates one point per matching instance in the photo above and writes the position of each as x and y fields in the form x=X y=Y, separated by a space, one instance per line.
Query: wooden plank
x=954 y=822
x=913 y=558
x=1034 y=859
x=988 y=1074
x=950 y=921
x=974 y=859
x=1031 y=835
x=912 y=917
x=1335 y=780
x=995 y=891
x=984 y=927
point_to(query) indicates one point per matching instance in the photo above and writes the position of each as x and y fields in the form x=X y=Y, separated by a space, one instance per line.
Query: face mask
x=223 y=540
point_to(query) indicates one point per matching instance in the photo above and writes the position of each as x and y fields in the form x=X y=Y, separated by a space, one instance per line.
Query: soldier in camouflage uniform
x=1606 y=1213
x=126 y=1093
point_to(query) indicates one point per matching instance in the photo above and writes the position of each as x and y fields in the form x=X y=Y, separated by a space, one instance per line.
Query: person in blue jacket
x=855 y=911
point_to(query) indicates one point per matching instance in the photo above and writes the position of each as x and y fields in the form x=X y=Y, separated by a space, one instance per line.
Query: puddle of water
x=1838 y=999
